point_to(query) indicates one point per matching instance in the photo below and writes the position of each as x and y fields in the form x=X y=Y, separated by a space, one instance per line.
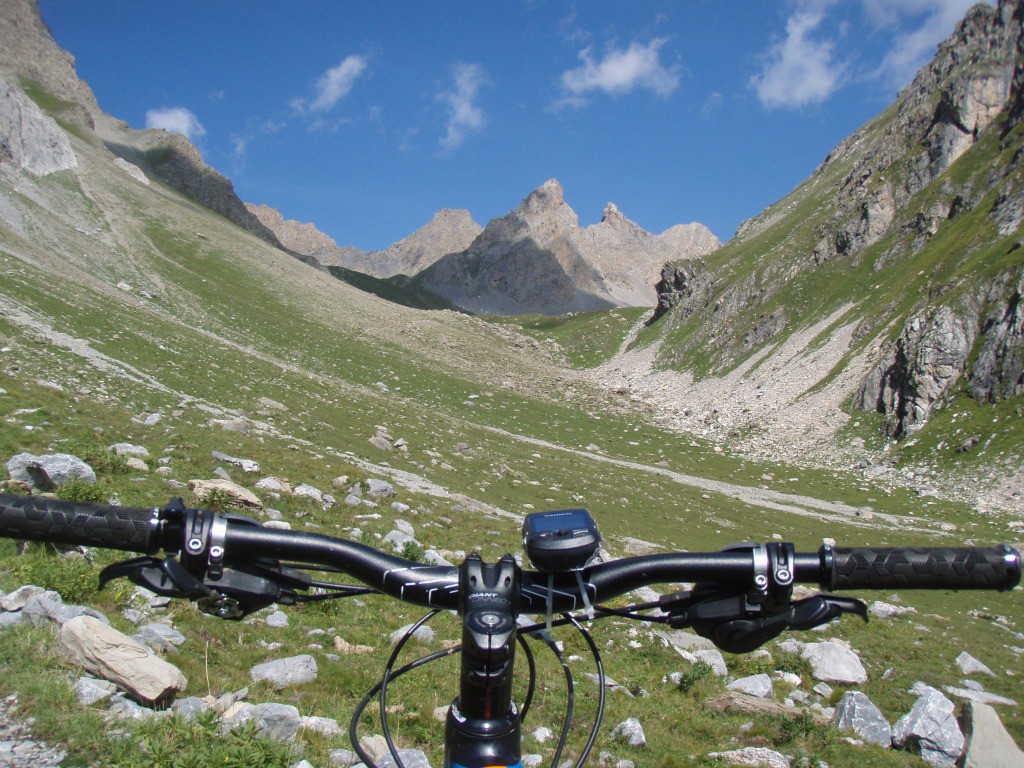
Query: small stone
x=277 y=619
x=89 y=690
x=161 y=637
x=379 y=488
x=276 y=721
x=324 y=726
x=236 y=495
x=823 y=689
x=832 y=662
x=631 y=732
x=541 y=735
x=423 y=635
x=971 y=666
x=754 y=685
x=128 y=449
x=757 y=757
x=136 y=464
x=190 y=707
x=282 y=673
x=881 y=610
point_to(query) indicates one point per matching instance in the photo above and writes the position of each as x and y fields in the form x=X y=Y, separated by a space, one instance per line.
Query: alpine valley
x=850 y=365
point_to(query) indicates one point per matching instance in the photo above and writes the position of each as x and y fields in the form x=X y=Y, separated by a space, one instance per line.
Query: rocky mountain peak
x=297 y=236
x=613 y=217
x=28 y=50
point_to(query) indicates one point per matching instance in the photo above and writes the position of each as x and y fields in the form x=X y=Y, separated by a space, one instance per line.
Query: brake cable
x=384 y=684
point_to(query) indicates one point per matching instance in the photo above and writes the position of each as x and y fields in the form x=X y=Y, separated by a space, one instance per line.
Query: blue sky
x=365 y=118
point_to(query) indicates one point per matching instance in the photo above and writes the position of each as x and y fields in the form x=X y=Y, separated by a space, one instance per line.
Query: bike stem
x=483 y=728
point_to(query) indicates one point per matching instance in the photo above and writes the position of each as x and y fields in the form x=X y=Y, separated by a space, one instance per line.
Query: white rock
x=758 y=757
x=281 y=673
x=834 y=663
x=931 y=725
x=631 y=732
x=111 y=655
x=754 y=685
x=971 y=666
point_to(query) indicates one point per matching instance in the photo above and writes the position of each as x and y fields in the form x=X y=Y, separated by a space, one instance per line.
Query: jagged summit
x=303 y=238
x=537 y=258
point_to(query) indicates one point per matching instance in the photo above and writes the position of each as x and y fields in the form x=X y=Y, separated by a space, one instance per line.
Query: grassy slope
x=889 y=280
x=233 y=321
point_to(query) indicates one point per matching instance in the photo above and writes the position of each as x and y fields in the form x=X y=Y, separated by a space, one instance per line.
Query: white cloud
x=921 y=25
x=465 y=117
x=620 y=71
x=333 y=85
x=177 y=120
x=799 y=70
x=711 y=106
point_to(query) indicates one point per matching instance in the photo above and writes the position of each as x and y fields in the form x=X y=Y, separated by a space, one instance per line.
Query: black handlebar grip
x=921 y=568
x=72 y=522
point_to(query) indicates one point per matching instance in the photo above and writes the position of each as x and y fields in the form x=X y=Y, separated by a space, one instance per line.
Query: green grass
x=399 y=289
x=587 y=339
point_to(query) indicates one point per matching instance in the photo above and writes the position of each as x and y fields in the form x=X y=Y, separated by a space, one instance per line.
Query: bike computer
x=560 y=541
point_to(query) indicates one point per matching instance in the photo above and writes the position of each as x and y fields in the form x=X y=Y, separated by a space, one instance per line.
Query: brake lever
x=734 y=625
x=166 y=577
x=237 y=592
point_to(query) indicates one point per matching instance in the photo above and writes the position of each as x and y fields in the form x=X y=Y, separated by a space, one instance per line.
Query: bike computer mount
x=561 y=540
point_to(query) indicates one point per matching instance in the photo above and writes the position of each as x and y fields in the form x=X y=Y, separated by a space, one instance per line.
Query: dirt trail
x=791 y=503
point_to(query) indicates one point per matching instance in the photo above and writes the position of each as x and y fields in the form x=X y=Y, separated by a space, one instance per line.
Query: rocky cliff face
x=909 y=230
x=29 y=56
x=28 y=52
x=30 y=139
x=304 y=239
x=537 y=258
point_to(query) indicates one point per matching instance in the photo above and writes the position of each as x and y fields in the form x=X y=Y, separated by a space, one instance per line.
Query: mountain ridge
x=537 y=258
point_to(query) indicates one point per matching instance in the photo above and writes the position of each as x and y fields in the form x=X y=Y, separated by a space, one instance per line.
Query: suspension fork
x=483 y=728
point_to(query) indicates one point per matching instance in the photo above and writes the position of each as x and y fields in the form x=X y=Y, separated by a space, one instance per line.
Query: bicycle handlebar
x=150 y=530
x=74 y=522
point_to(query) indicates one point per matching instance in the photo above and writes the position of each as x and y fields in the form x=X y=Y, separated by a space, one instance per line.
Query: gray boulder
x=397 y=539
x=44 y=473
x=754 y=685
x=379 y=488
x=411 y=758
x=49 y=608
x=971 y=666
x=858 y=713
x=276 y=721
x=324 y=726
x=932 y=727
x=161 y=637
x=832 y=662
x=190 y=707
x=128 y=449
x=282 y=673
x=988 y=743
x=757 y=757
x=89 y=690
x=16 y=600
